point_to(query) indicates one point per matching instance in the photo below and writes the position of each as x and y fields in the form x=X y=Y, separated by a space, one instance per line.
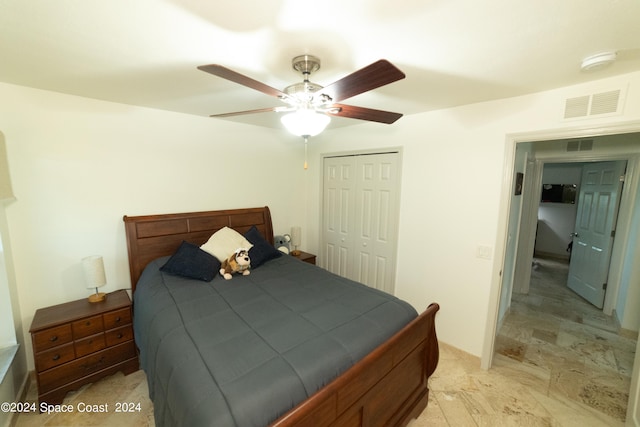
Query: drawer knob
x=120 y=335
x=53 y=338
x=87 y=323
x=56 y=357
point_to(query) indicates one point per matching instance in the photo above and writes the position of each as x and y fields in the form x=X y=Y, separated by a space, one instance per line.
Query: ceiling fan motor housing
x=303 y=91
x=306 y=64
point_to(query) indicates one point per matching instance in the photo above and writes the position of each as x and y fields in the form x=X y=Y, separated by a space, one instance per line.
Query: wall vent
x=593 y=105
x=573 y=145
x=576 y=107
x=606 y=102
x=586 y=145
x=580 y=145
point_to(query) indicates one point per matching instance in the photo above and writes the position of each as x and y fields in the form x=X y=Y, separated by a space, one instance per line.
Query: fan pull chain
x=306 y=140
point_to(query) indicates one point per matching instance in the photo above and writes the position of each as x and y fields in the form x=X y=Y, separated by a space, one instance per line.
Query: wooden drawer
x=89 y=345
x=117 y=318
x=54 y=357
x=88 y=326
x=117 y=336
x=87 y=365
x=51 y=337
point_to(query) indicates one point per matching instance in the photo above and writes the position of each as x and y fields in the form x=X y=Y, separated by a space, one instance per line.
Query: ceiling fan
x=311 y=105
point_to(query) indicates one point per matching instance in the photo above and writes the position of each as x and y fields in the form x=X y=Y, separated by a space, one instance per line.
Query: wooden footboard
x=386 y=388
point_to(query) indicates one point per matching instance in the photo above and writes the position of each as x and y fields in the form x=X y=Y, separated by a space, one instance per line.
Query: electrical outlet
x=484 y=252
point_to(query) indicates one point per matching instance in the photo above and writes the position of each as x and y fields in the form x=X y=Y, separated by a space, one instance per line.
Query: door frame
x=628 y=201
x=511 y=141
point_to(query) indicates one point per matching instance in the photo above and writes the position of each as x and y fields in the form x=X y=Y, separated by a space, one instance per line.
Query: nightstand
x=79 y=342
x=306 y=257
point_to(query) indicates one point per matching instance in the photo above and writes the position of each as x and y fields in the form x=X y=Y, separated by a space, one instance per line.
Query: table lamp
x=93 y=267
x=296 y=239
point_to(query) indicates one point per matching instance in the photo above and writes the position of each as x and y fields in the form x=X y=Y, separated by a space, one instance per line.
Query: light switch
x=484 y=252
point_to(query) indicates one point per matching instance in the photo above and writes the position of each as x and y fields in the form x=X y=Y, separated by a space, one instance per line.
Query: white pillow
x=224 y=242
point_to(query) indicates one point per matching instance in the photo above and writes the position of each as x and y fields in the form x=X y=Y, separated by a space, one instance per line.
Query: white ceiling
x=454 y=52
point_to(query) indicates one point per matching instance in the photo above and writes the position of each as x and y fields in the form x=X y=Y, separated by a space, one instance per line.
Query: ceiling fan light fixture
x=305 y=122
x=597 y=61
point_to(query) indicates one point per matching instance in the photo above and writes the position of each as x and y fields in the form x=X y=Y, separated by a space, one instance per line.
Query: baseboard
x=562 y=257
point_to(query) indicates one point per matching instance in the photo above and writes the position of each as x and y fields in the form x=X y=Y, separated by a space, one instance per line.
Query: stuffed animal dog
x=238 y=262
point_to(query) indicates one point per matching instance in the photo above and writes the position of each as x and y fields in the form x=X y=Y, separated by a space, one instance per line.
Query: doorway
x=615 y=143
x=576 y=221
x=624 y=148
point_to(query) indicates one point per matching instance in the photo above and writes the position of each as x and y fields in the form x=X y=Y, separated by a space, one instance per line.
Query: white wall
x=78 y=165
x=453 y=171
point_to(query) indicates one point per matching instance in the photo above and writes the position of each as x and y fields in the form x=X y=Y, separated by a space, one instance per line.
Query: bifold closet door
x=360 y=217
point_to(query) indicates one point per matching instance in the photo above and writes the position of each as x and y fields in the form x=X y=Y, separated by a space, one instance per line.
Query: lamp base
x=295 y=252
x=97 y=297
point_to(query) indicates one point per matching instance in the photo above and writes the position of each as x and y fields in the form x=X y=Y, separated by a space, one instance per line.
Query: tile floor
x=559 y=362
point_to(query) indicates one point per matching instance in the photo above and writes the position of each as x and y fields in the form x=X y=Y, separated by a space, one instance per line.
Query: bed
x=326 y=369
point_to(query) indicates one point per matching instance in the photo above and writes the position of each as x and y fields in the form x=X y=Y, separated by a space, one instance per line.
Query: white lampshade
x=305 y=122
x=296 y=236
x=94 y=275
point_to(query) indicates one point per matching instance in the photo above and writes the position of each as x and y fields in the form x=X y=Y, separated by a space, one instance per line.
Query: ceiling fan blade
x=361 y=113
x=259 y=110
x=378 y=74
x=226 y=73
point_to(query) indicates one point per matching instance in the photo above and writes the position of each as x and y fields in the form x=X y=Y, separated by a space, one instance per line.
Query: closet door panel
x=338 y=214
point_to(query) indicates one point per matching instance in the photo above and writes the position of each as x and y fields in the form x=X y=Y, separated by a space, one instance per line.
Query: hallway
x=572 y=350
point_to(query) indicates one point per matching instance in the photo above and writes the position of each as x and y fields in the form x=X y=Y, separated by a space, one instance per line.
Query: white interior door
x=598 y=202
x=360 y=217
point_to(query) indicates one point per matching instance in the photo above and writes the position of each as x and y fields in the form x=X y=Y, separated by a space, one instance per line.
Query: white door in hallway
x=360 y=217
x=598 y=202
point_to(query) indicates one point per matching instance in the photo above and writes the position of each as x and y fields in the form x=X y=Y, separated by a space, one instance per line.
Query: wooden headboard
x=152 y=236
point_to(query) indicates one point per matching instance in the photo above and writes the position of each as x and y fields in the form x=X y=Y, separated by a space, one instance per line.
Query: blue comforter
x=243 y=352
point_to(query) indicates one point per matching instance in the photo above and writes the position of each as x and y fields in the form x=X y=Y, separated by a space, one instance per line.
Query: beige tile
x=432 y=416
x=454 y=408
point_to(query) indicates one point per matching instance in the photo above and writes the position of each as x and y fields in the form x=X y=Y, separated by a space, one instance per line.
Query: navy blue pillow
x=262 y=251
x=192 y=262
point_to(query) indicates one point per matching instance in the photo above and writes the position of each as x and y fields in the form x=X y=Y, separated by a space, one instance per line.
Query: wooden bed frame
x=386 y=388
